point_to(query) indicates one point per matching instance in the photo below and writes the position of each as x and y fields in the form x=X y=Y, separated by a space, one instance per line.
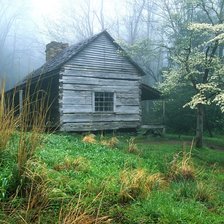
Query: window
x=104 y=101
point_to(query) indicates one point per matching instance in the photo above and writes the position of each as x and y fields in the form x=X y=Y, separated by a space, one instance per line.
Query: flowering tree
x=200 y=65
x=210 y=90
x=194 y=32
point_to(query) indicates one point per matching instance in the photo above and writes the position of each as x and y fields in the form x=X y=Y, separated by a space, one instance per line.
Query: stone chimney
x=53 y=48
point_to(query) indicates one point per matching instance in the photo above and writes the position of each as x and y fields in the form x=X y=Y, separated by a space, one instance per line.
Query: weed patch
x=204 y=192
x=77 y=164
x=8 y=121
x=182 y=167
x=112 y=142
x=75 y=213
x=139 y=183
x=132 y=146
x=90 y=138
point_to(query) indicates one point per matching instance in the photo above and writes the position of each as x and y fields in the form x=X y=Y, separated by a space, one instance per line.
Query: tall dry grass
x=79 y=163
x=111 y=142
x=182 y=165
x=8 y=120
x=37 y=191
x=89 y=138
x=138 y=183
x=75 y=213
x=32 y=121
x=132 y=146
x=26 y=120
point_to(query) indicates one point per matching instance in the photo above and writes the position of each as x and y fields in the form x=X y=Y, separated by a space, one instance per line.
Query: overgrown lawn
x=104 y=179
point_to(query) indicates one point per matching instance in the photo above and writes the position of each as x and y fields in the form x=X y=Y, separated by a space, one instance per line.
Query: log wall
x=99 y=68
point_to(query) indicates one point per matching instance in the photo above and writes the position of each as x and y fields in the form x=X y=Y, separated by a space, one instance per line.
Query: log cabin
x=92 y=85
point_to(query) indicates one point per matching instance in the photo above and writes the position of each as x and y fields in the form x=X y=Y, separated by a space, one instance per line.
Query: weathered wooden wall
x=99 y=67
x=44 y=90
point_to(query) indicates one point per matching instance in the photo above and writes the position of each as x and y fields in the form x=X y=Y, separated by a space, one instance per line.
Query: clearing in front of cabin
x=110 y=179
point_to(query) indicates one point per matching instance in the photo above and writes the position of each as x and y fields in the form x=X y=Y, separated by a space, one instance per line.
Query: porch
x=153 y=111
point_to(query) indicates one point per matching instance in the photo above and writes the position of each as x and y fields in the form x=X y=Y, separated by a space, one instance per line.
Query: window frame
x=114 y=102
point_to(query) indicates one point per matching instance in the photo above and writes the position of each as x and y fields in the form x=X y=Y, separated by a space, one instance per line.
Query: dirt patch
x=178 y=142
x=214 y=146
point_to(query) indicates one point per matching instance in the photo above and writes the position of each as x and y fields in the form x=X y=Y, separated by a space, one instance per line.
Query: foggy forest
x=27 y=26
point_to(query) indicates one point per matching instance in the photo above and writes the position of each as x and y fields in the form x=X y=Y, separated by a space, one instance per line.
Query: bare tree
x=139 y=29
x=79 y=22
x=6 y=21
x=8 y=17
x=18 y=42
x=133 y=19
x=100 y=17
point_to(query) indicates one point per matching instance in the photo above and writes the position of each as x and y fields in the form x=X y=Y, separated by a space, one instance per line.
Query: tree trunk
x=199 y=128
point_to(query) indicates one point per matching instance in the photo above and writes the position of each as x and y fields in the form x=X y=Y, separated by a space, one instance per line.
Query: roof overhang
x=149 y=93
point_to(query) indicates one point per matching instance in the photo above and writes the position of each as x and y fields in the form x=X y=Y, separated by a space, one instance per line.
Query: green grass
x=67 y=170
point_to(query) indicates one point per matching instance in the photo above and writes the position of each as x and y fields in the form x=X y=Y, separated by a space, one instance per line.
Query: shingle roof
x=149 y=93
x=61 y=58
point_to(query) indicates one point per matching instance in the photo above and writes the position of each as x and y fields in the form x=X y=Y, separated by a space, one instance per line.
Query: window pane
x=104 y=101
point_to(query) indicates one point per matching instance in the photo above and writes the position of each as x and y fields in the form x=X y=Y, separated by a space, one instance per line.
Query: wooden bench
x=154 y=129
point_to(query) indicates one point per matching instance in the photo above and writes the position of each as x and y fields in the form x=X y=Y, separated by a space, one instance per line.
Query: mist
x=21 y=47
x=28 y=25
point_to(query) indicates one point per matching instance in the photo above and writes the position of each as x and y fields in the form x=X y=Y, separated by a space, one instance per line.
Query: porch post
x=20 y=101
x=164 y=114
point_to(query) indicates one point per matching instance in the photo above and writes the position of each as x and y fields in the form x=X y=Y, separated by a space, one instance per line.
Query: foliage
x=3 y=187
x=210 y=91
x=204 y=73
x=180 y=119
